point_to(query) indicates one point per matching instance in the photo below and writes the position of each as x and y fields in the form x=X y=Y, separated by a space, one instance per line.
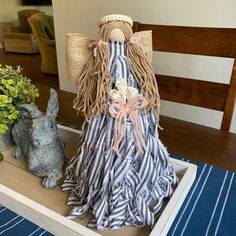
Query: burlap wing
x=146 y=42
x=78 y=51
x=77 y=54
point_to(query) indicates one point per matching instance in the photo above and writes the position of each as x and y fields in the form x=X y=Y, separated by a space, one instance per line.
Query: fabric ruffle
x=119 y=190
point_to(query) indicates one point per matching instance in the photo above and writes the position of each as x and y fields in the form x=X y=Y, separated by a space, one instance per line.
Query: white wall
x=9 y=8
x=81 y=16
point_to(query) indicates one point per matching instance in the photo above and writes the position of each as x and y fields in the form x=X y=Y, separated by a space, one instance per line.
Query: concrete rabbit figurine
x=36 y=138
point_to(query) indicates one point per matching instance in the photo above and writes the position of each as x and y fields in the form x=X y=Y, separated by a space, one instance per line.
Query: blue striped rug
x=209 y=208
x=12 y=224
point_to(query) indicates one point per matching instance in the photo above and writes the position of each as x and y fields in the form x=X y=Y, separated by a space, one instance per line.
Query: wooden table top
x=194 y=142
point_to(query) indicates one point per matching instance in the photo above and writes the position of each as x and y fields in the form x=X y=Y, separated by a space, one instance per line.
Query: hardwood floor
x=30 y=64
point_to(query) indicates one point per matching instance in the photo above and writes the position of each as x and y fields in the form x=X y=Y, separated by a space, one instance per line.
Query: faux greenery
x=15 y=89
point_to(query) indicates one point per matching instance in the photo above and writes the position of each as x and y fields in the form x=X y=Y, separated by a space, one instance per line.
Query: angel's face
x=117 y=35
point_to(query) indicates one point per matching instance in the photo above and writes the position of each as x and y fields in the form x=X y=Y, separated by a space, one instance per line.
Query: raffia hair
x=95 y=81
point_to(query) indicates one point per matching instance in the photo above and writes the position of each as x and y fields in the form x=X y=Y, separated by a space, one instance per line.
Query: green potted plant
x=15 y=89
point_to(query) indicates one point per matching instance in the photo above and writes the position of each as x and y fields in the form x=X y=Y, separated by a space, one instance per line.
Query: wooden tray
x=23 y=193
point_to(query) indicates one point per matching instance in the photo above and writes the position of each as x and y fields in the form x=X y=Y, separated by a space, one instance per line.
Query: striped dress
x=120 y=190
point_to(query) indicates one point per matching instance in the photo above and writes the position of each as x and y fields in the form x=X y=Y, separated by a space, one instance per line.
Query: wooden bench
x=219 y=42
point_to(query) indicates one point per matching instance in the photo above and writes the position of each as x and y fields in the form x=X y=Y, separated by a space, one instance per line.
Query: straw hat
x=115 y=17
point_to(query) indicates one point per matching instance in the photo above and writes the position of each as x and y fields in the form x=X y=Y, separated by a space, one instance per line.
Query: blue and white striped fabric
x=12 y=224
x=121 y=190
x=210 y=207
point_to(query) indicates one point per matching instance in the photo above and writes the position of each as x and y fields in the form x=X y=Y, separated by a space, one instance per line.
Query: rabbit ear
x=29 y=111
x=53 y=104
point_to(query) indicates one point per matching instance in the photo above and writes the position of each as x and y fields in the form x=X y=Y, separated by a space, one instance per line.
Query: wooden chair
x=219 y=42
x=43 y=29
x=19 y=38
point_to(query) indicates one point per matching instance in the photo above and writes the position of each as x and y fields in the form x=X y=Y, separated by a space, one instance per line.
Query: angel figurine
x=121 y=172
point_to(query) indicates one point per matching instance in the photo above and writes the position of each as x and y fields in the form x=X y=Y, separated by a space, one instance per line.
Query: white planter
x=6 y=140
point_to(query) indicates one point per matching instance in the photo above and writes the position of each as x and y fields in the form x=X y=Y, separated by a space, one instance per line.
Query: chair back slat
x=192 y=92
x=219 y=42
